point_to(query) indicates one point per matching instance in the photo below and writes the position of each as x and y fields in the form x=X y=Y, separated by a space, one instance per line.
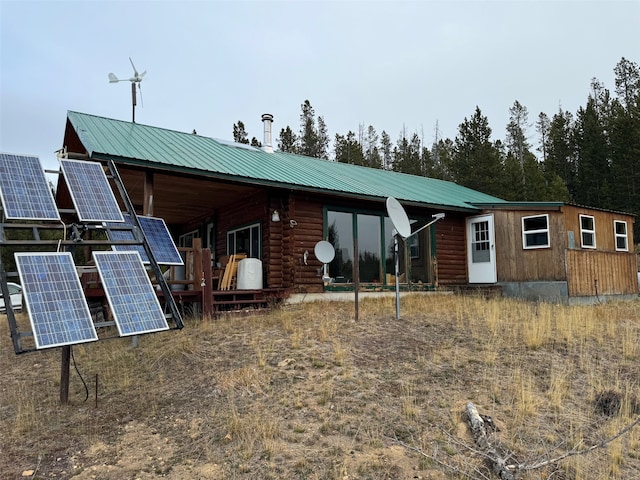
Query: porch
x=214 y=288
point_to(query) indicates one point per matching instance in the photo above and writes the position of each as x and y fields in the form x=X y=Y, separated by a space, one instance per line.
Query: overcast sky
x=387 y=64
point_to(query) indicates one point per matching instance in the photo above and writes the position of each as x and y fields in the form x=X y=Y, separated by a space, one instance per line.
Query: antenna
x=136 y=79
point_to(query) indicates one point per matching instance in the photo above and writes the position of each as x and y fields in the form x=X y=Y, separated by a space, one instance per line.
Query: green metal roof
x=143 y=145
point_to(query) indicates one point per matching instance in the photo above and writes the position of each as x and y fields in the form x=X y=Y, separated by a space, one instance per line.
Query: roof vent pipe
x=267 y=119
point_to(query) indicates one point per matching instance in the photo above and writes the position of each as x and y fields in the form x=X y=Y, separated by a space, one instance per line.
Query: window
x=413 y=243
x=369 y=248
x=186 y=240
x=376 y=247
x=588 y=231
x=535 y=231
x=620 y=233
x=244 y=240
x=480 y=243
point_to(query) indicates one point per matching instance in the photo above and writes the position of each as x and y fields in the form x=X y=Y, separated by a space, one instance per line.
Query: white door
x=481 y=252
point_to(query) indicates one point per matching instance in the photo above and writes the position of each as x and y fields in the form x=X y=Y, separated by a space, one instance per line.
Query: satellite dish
x=324 y=251
x=398 y=217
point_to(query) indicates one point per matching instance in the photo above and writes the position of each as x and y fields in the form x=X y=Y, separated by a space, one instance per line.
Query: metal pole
x=395 y=244
x=133 y=101
x=64 y=374
x=356 y=275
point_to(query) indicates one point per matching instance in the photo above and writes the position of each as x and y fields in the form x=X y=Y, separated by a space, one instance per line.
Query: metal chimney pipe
x=267 y=119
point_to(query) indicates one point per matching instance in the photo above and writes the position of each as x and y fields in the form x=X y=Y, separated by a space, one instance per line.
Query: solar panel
x=157 y=234
x=90 y=191
x=130 y=294
x=24 y=191
x=57 y=309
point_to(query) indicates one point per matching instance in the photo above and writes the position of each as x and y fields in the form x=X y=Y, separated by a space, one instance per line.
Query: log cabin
x=231 y=198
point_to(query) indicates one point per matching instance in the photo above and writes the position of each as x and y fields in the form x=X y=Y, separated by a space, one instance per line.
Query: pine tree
x=239 y=133
x=322 y=148
x=476 y=161
x=516 y=141
x=288 y=141
x=542 y=127
x=623 y=129
x=386 y=151
x=592 y=156
x=348 y=150
x=628 y=84
x=441 y=156
x=406 y=154
x=560 y=151
x=372 y=155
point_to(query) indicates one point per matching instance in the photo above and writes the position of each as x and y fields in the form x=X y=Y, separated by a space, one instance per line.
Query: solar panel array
x=56 y=304
x=130 y=294
x=90 y=191
x=57 y=308
x=158 y=237
x=24 y=190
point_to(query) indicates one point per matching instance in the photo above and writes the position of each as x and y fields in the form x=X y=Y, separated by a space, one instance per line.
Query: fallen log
x=481 y=438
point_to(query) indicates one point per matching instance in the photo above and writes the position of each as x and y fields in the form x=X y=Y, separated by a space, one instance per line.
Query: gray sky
x=381 y=63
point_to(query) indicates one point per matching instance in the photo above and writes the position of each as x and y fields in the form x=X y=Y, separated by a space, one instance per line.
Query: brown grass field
x=306 y=392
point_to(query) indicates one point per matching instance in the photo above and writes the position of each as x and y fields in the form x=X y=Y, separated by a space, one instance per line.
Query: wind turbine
x=136 y=79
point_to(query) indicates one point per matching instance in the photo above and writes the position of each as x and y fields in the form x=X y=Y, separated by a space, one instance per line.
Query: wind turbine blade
x=134 y=67
x=113 y=78
x=140 y=88
x=142 y=75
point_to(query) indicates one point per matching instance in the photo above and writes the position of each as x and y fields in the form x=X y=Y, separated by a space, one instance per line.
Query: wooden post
x=207 y=289
x=147 y=208
x=64 y=374
x=197 y=264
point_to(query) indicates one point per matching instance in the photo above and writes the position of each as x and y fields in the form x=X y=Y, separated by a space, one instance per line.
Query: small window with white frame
x=620 y=233
x=535 y=231
x=588 y=231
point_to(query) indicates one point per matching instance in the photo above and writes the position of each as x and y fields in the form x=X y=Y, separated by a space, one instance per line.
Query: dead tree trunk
x=480 y=436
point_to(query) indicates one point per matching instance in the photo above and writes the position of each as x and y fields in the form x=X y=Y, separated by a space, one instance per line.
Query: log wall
x=307 y=213
x=451 y=250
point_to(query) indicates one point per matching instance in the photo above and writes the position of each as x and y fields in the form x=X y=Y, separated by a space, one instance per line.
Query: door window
x=480 y=243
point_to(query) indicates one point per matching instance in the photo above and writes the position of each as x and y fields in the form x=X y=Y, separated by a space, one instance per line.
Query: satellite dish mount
x=402 y=226
x=324 y=252
x=136 y=79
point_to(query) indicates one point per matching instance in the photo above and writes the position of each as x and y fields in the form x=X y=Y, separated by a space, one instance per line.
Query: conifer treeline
x=590 y=157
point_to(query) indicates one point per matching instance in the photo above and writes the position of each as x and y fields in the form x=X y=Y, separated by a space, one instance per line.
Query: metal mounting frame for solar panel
x=132 y=299
x=56 y=304
x=90 y=191
x=24 y=190
x=155 y=230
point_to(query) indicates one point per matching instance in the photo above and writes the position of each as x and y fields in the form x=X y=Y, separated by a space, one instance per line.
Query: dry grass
x=307 y=392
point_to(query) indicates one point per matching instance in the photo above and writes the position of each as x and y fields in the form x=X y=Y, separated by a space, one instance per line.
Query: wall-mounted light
x=275 y=217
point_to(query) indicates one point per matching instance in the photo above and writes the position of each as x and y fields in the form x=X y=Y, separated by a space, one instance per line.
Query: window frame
x=186 y=239
x=617 y=235
x=587 y=231
x=250 y=227
x=525 y=233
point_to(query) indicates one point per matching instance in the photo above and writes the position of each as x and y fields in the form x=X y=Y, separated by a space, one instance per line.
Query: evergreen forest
x=589 y=157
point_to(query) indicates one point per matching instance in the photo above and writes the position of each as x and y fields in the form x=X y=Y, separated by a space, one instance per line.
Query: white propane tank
x=249 y=276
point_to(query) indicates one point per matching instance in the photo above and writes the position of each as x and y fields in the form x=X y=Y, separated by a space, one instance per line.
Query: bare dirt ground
x=306 y=392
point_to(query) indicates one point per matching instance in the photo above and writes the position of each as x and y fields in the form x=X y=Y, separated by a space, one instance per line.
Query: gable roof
x=169 y=150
